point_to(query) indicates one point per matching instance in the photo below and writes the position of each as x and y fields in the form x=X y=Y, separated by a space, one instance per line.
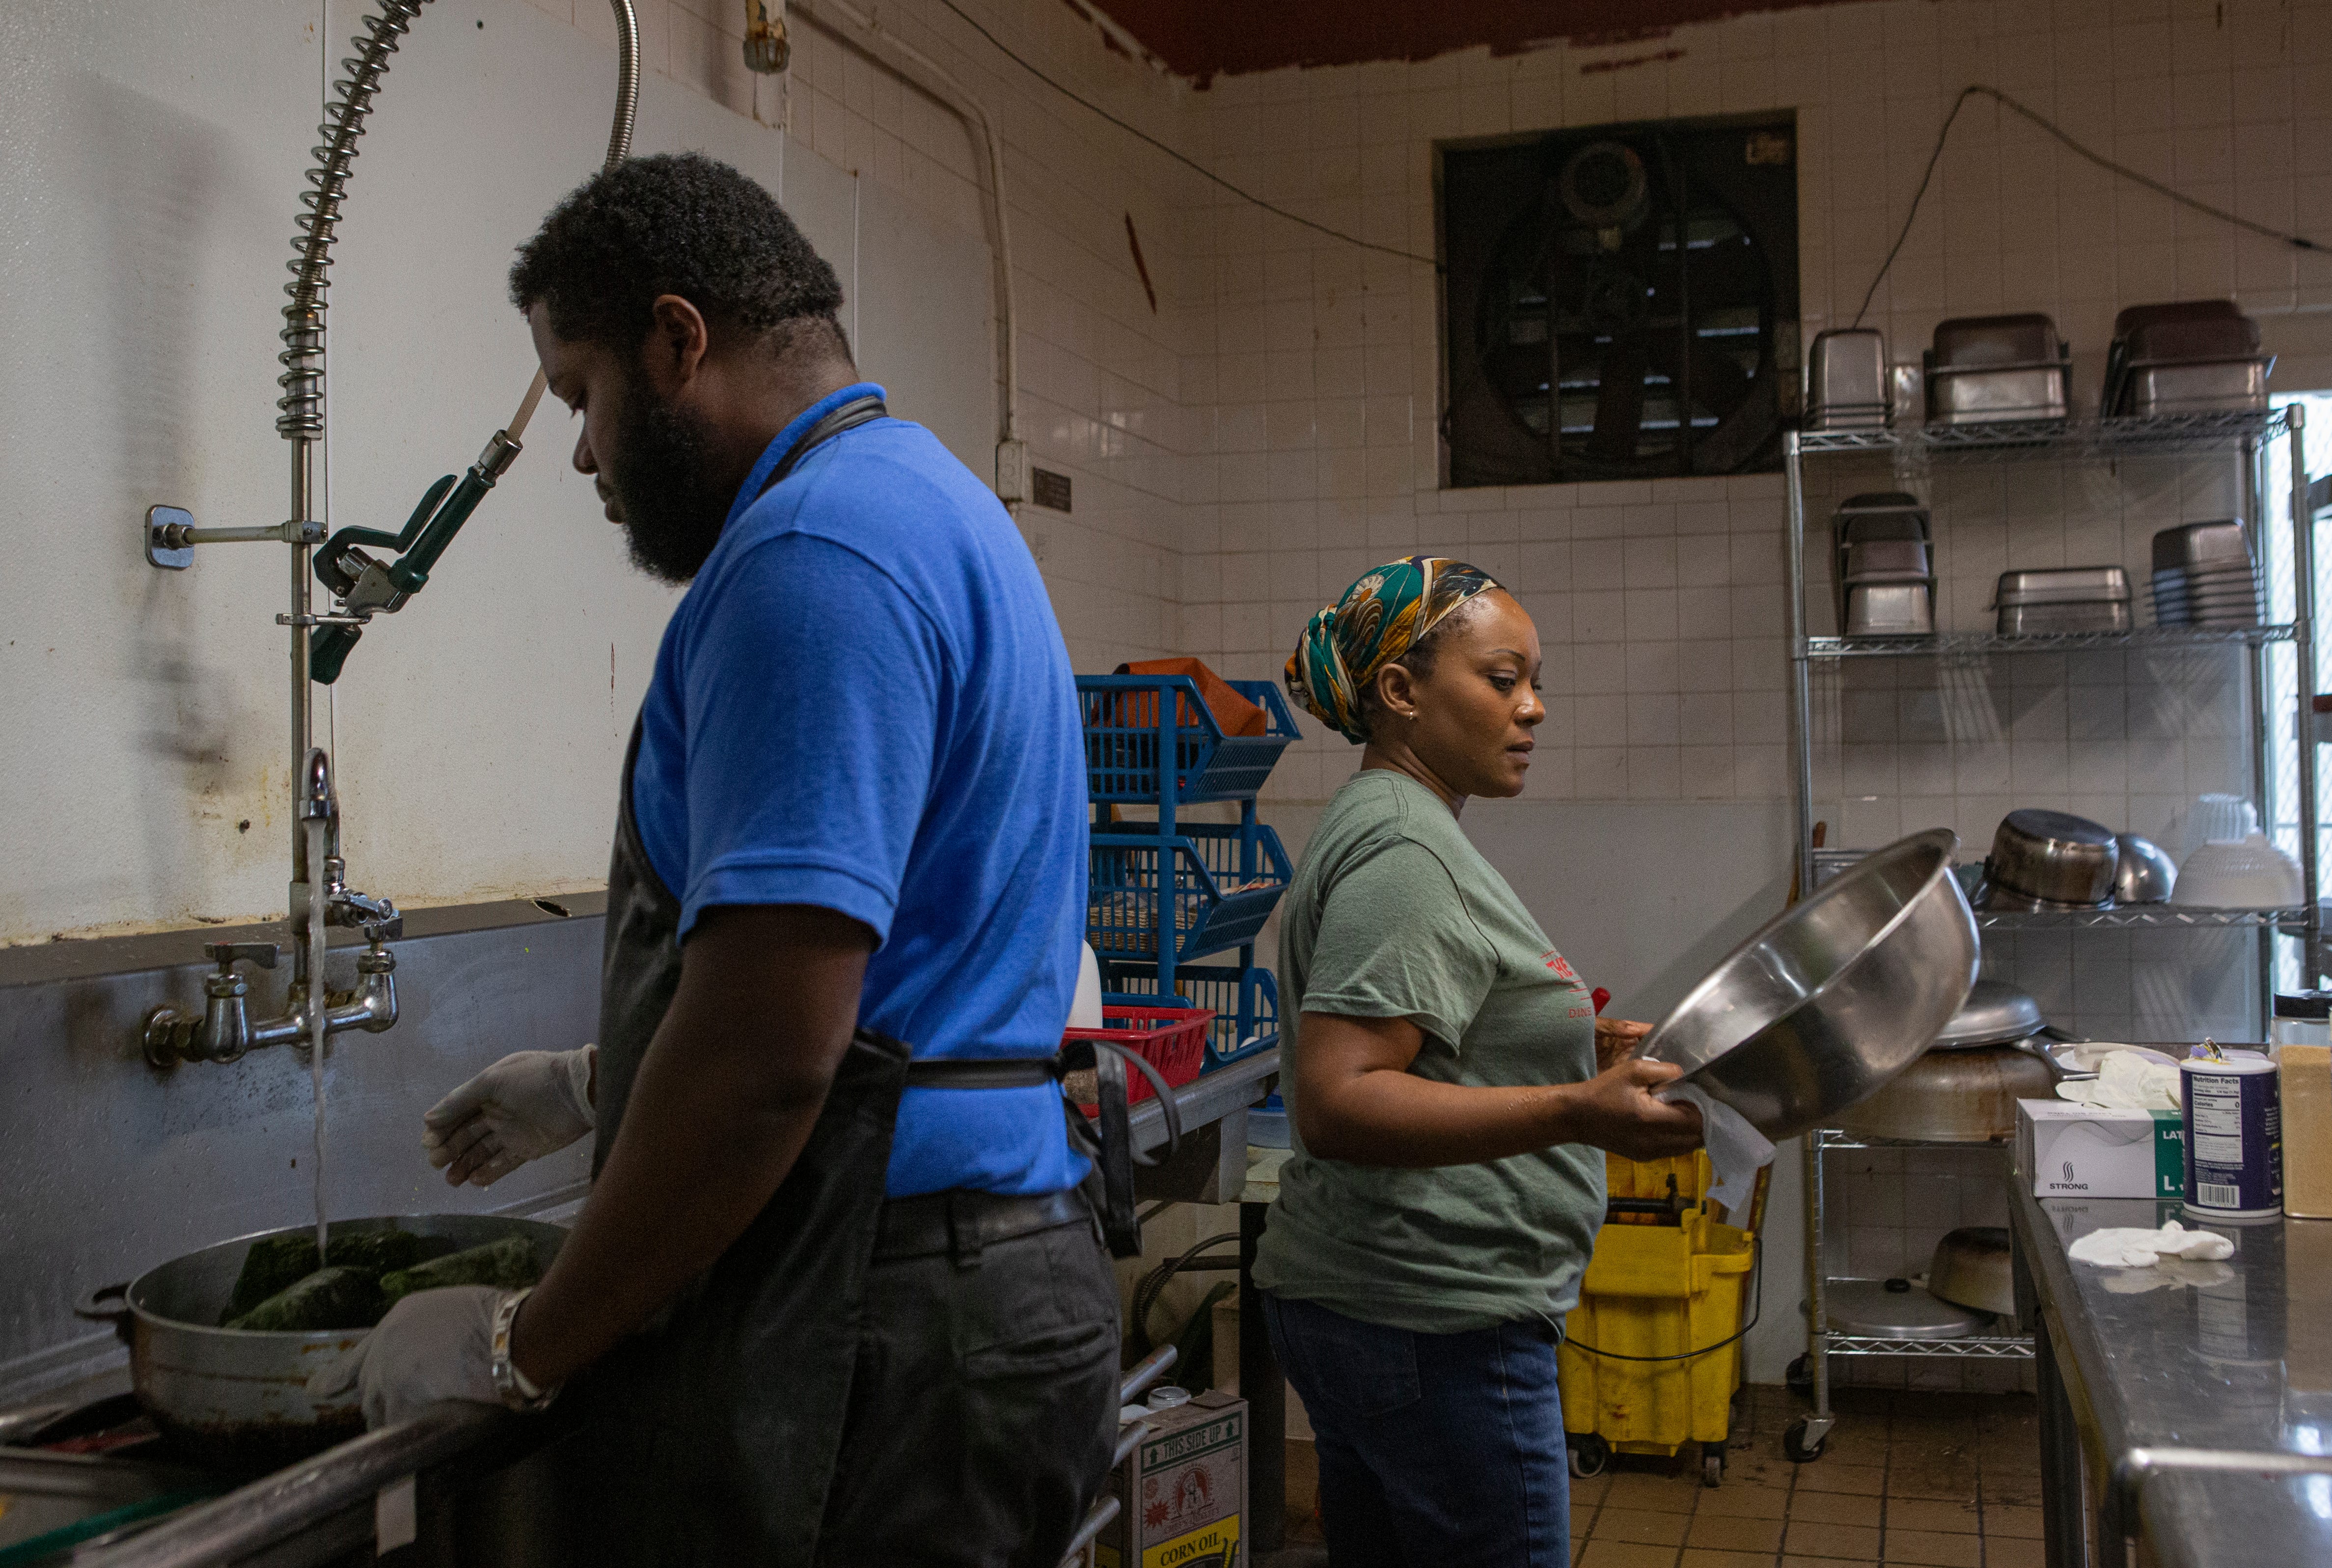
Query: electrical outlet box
x=1011 y=471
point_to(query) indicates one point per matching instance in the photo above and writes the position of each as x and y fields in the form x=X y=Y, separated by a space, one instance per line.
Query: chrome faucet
x=224 y=1030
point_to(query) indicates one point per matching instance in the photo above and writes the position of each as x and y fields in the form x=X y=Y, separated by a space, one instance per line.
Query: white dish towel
x=1736 y=1151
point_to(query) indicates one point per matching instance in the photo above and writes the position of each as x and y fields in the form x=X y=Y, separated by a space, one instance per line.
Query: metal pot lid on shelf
x=1994 y=1014
x=1897 y=1309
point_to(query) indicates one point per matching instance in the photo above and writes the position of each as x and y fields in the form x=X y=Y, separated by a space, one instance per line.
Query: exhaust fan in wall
x=1620 y=303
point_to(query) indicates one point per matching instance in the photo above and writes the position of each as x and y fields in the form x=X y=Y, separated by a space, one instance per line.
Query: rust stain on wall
x=1203 y=39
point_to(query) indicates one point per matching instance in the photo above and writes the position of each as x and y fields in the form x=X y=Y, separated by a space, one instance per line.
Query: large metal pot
x=236 y=1398
x=1975 y=1267
x=1956 y=1096
x=1826 y=1003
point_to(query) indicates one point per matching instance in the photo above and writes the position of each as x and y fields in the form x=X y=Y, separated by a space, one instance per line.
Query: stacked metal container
x=1884 y=551
x=1986 y=370
x=2187 y=356
x=2060 y=599
x=1848 y=380
x=2203 y=576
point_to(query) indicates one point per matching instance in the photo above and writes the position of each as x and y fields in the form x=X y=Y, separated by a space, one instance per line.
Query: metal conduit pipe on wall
x=920 y=70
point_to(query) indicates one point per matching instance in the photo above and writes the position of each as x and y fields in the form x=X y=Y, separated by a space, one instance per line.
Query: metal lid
x=2241 y=1063
x=1993 y=1014
x=1869 y=1309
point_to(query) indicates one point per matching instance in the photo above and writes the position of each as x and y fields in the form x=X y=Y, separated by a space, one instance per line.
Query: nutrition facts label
x=2218 y=1129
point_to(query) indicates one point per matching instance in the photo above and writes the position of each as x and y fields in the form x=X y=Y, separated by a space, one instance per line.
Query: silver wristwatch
x=511 y=1383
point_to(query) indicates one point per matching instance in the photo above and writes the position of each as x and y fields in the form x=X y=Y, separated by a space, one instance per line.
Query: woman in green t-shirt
x=1450 y=1095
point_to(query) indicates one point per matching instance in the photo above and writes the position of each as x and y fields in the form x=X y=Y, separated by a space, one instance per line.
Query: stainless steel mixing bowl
x=2054 y=856
x=2145 y=873
x=1826 y=1003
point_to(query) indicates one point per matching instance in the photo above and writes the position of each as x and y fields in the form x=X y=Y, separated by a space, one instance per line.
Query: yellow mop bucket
x=1651 y=1356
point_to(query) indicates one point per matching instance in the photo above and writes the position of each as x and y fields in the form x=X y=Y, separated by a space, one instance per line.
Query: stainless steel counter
x=2188 y=1405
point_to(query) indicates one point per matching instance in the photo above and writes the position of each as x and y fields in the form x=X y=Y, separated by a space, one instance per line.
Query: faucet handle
x=361 y=910
x=227 y=954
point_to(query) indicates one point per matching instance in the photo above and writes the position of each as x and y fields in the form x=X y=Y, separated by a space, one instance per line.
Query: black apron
x=712 y=1435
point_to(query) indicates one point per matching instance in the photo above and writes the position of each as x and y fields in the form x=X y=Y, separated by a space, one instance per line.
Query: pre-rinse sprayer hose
x=300 y=412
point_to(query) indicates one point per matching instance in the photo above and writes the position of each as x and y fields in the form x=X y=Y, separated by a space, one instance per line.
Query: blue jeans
x=1436 y=1450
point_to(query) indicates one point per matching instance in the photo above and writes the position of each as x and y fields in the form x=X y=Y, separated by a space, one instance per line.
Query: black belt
x=1112 y=1152
x=984 y=1073
x=959 y=1222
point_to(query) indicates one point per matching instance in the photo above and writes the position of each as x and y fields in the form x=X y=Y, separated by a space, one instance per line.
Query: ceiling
x=1202 y=39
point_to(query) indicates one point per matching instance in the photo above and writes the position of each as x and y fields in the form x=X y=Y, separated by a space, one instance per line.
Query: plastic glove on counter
x=2123 y=1247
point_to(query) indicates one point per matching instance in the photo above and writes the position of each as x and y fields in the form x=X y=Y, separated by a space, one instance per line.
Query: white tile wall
x=1268 y=431
x=1100 y=372
x=1660 y=603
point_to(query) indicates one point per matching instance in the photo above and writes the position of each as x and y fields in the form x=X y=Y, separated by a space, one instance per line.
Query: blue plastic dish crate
x=1245 y=1003
x=1218 y=883
x=1131 y=721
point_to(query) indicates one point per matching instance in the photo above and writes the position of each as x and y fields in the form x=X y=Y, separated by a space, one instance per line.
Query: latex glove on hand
x=434 y=1344
x=526 y=1105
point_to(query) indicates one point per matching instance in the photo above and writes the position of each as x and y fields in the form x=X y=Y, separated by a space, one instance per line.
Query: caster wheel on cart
x=1794 y=1446
x=1712 y=1464
x=1589 y=1454
x=1799 y=1376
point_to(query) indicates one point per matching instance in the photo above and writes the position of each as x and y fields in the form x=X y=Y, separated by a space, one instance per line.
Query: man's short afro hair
x=674 y=223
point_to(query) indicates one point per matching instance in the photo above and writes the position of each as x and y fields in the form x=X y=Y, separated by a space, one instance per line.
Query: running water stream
x=319 y=1004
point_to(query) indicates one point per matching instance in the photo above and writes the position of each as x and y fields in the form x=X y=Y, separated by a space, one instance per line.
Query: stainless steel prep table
x=2193 y=1416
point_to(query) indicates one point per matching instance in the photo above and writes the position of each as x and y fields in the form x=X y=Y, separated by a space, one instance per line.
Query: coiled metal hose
x=301 y=409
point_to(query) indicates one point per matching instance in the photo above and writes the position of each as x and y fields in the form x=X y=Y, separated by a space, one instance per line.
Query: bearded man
x=837 y=1296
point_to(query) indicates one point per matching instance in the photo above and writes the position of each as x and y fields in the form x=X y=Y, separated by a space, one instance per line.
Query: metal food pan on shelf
x=1216 y=883
x=1245 y=1001
x=1131 y=722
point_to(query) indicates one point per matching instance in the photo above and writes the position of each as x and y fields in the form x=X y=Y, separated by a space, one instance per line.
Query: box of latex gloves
x=2075 y=1150
x=1182 y=1491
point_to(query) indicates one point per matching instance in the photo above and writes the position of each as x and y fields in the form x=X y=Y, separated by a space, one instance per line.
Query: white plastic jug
x=1084 y=1012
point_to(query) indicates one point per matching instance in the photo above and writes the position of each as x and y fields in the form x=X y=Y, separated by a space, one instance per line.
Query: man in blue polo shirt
x=828 y=1301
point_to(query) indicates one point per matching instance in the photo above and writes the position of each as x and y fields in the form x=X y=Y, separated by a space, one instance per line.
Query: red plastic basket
x=1172 y=1039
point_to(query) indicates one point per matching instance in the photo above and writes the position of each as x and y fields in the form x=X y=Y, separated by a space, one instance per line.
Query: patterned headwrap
x=1380 y=617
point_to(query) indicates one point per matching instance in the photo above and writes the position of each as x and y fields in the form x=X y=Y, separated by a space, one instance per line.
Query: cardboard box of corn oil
x=2075 y=1150
x=1182 y=1492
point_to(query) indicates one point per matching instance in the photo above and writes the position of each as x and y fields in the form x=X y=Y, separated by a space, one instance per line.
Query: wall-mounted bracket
x=171 y=536
x=162 y=524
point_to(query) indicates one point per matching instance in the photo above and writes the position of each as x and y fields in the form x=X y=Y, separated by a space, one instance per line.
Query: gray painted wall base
x=111 y=1166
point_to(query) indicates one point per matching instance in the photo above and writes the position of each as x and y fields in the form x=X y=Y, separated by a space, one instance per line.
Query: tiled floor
x=1922 y=1480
